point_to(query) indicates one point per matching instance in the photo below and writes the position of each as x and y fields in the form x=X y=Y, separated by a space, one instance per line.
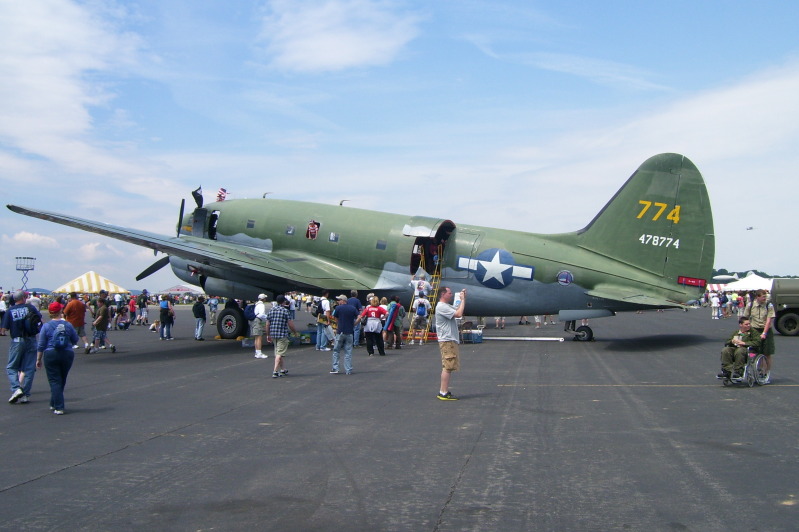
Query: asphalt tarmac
x=628 y=432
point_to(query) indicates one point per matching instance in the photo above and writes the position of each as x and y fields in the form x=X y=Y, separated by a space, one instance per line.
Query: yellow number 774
x=674 y=214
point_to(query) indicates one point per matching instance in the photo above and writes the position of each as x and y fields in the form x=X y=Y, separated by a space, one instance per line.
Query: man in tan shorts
x=448 y=337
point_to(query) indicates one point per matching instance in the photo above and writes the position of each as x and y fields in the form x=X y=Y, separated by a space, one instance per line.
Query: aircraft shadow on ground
x=179 y=349
x=660 y=342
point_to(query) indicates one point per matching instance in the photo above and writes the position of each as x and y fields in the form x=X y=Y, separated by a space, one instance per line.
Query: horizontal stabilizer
x=630 y=295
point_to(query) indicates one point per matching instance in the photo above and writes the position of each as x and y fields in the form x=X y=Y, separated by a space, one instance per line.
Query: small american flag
x=221 y=195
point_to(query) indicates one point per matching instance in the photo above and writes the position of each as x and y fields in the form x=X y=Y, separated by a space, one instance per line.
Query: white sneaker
x=25 y=399
x=16 y=395
x=58 y=412
x=261 y=355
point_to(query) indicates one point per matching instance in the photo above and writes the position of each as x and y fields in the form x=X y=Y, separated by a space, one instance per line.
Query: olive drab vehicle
x=652 y=246
x=785 y=298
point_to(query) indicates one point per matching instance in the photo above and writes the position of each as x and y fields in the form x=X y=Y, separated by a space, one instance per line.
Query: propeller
x=154 y=267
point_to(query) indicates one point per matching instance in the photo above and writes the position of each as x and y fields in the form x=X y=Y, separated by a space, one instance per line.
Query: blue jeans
x=198 y=330
x=22 y=359
x=321 y=338
x=345 y=341
x=166 y=330
x=356 y=336
x=57 y=364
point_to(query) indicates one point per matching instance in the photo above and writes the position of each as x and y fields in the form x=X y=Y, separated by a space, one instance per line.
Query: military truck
x=785 y=296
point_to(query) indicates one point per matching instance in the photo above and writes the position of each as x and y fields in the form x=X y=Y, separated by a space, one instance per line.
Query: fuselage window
x=381 y=244
x=250 y=224
x=333 y=237
x=290 y=230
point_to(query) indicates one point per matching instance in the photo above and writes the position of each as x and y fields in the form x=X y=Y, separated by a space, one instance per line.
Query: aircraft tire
x=231 y=324
x=788 y=324
x=584 y=333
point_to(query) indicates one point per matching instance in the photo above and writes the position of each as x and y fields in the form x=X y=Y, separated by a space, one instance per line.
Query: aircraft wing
x=239 y=260
x=630 y=295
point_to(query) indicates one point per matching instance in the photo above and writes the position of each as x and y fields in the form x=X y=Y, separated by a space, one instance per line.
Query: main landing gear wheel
x=231 y=324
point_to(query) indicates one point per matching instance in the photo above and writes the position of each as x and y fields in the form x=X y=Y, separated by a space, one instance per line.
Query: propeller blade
x=157 y=265
x=180 y=216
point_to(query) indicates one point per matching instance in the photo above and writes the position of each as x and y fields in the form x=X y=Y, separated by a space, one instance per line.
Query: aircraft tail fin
x=660 y=225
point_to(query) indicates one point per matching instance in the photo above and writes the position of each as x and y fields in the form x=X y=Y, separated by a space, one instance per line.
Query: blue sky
x=516 y=114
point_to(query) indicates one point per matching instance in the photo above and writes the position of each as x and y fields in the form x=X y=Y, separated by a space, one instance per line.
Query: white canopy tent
x=749 y=283
x=90 y=283
x=181 y=289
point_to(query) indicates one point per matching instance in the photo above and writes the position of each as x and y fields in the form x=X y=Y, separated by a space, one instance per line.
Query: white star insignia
x=494 y=268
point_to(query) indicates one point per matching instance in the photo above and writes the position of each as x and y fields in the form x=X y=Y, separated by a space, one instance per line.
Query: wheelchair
x=754 y=371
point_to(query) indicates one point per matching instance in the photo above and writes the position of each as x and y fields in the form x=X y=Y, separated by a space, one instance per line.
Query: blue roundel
x=495 y=268
x=565 y=278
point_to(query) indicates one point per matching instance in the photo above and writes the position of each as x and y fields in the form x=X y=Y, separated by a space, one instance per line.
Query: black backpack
x=33 y=322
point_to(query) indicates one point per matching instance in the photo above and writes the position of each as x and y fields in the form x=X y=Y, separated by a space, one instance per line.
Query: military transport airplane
x=652 y=246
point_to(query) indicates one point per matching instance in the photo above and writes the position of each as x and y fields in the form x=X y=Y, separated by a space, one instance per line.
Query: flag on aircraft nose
x=221 y=195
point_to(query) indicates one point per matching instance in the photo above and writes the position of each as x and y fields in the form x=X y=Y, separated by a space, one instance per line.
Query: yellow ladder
x=435 y=283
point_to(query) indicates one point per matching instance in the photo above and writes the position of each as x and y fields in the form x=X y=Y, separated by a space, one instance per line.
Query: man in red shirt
x=75 y=313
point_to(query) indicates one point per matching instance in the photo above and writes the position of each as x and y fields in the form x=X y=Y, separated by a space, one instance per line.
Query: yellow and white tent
x=91 y=283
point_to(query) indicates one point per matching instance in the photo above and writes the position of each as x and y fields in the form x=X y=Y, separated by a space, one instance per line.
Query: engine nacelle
x=231 y=289
x=209 y=279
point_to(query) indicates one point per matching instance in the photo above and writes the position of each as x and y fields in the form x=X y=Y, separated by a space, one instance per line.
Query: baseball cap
x=55 y=307
x=261 y=296
x=343 y=298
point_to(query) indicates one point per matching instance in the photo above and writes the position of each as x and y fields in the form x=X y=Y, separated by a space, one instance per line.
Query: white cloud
x=94 y=251
x=27 y=238
x=330 y=35
x=599 y=71
x=51 y=49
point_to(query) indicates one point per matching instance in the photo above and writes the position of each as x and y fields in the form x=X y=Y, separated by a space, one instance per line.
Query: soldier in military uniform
x=733 y=355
